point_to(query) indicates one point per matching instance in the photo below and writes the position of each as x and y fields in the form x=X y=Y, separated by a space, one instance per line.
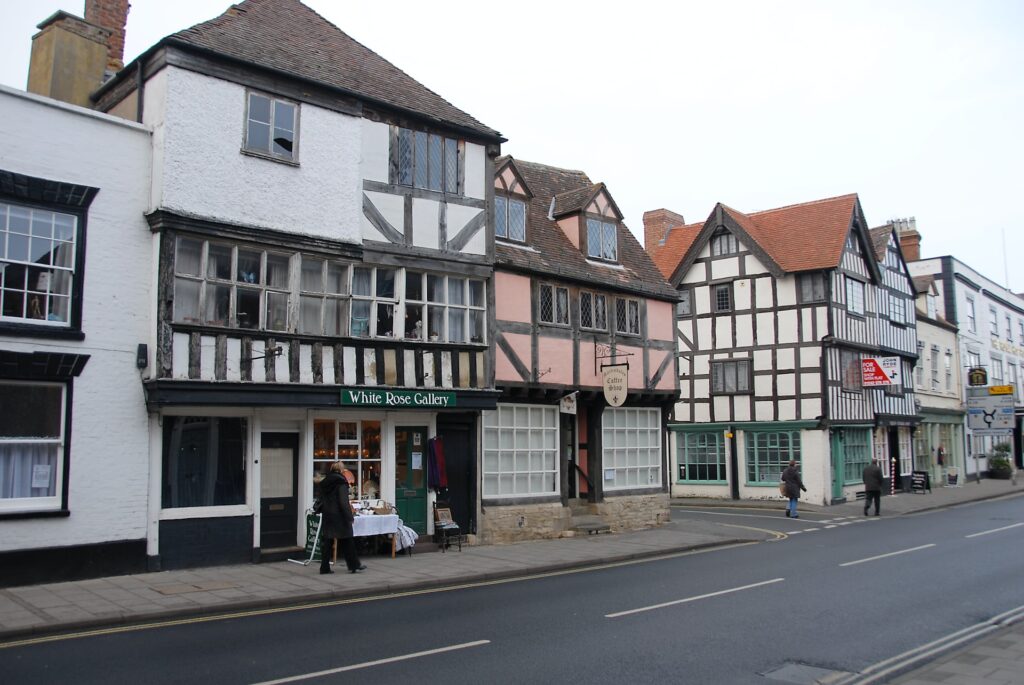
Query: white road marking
x=890 y=554
x=378 y=662
x=692 y=599
x=994 y=530
x=809 y=530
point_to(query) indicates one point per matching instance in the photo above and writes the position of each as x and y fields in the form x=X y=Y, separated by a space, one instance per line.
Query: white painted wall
x=201 y=170
x=109 y=471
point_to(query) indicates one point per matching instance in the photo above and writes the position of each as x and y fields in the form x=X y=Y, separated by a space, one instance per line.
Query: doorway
x=411 y=476
x=457 y=433
x=838 y=466
x=279 y=502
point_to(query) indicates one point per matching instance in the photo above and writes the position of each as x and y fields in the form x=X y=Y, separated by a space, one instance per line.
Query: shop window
x=857 y=454
x=31 y=445
x=357 y=444
x=701 y=457
x=631 y=439
x=768 y=454
x=204 y=460
x=520 y=456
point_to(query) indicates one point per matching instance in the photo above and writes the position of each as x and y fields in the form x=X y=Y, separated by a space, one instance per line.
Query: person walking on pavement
x=791 y=477
x=337 y=521
x=872 y=486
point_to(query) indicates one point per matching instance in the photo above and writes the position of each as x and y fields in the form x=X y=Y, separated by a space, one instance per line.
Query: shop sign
x=1000 y=390
x=616 y=383
x=398 y=399
x=880 y=371
x=976 y=377
x=567 y=405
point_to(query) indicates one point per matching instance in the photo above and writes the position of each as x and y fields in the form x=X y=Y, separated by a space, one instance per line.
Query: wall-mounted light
x=142 y=356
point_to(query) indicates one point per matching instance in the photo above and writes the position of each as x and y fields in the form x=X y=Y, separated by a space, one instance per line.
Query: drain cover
x=802 y=674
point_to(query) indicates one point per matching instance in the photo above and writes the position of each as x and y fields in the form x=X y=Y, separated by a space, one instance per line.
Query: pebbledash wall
x=198 y=170
x=103 y=524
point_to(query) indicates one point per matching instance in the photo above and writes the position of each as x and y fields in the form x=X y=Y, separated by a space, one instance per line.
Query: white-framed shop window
x=520 y=451
x=631 y=440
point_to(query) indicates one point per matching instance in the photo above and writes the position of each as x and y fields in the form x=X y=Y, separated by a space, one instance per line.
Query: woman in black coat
x=791 y=477
x=337 y=521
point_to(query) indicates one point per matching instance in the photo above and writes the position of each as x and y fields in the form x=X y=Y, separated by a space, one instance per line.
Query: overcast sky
x=916 y=106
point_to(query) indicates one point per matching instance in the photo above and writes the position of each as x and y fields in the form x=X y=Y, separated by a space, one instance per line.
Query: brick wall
x=656 y=225
x=113 y=15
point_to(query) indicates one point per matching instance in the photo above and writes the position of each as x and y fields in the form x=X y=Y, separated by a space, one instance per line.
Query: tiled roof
x=573 y=200
x=678 y=241
x=801 y=237
x=287 y=36
x=880 y=238
x=551 y=253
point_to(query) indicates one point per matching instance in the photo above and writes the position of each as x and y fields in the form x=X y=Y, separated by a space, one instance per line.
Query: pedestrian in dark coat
x=791 y=477
x=337 y=521
x=872 y=486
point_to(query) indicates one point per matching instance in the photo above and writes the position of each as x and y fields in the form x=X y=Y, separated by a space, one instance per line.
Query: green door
x=838 y=465
x=411 y=476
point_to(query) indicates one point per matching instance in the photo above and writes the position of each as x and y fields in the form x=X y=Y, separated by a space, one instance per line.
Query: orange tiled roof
x=677 y=243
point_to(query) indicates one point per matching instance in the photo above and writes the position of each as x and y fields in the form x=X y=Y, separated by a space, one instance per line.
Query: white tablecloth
x=375 y=525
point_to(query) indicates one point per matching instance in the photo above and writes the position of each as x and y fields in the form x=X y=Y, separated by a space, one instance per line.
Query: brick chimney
x=910 y=239
x=657 y=223
x=111 y=15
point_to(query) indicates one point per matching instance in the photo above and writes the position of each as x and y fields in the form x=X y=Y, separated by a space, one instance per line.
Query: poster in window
x=41 y=475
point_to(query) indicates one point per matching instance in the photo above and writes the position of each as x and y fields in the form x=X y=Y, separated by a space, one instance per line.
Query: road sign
x=1000 y=390
x=990 y=414
x=880 y=371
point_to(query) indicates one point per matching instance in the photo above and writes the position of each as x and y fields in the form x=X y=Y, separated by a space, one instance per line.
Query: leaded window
x=602 y=240
x=520 y=455
x=722 y=297
x=851 y=373
x=730 y=376
x=627 y=316
x=509 y=219
x=271 y=127
x=684 y=307
x=554 y=305
x=724 y=243
x=701 y=457
x=631 y=439
x=428 y=161
x=768 y=454
x=812 y=287
x=593 y=311
x=854 y=296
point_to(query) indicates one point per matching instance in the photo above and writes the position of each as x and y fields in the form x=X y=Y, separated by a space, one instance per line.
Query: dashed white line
x=377 y=662
x=890 y=554
x=994 y=530
x=692 y=599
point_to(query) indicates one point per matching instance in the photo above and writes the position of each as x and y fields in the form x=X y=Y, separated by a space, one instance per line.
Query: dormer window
x=724 y=243
x=509 y=219
x=602 y=240
x=427 y=160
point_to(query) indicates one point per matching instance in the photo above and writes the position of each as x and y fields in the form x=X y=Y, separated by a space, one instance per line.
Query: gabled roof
x=803 y=237
x=287 y=36
x=880 y=239
x=551 y=253
x=574 y=200
x=677 y=242
x=923 y=283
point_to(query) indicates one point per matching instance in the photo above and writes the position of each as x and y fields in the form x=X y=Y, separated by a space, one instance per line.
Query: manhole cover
x=802 y=674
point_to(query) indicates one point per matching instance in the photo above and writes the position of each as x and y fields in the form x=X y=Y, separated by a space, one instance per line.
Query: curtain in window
x=24 y=465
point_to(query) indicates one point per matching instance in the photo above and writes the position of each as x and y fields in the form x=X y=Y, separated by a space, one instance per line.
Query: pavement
x=34 y=611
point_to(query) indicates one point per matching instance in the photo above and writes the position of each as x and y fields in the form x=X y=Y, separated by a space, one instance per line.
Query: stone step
x=589 y=525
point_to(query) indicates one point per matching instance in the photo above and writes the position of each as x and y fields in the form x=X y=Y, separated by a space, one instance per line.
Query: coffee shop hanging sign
x=616 y=383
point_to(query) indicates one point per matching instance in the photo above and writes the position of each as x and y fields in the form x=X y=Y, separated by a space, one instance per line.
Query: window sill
x=269 y=157
x=205 y=512
x=702 y=482
x=42 y=514
x=28 y=330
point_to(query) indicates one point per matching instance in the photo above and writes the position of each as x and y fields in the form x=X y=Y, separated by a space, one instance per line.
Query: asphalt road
x=837 y=595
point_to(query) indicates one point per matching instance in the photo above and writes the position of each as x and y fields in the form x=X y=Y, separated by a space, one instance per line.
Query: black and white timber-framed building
x=779 y=309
